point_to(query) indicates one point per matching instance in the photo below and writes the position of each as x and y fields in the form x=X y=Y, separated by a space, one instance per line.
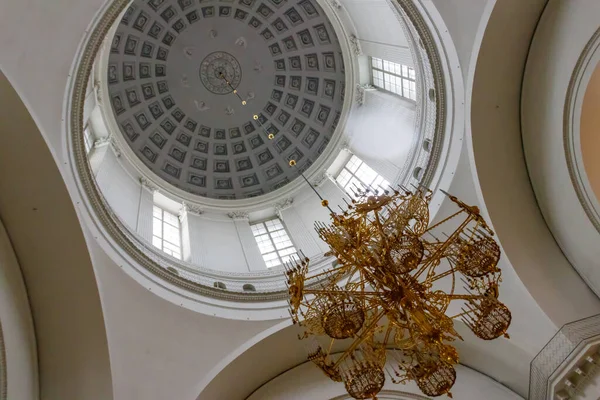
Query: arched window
x=249 y=288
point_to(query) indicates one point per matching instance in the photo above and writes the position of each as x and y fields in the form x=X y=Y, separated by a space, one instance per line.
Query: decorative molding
x=579 y=378
x=98 y=92
x=192 y=209
x=239 y=215
x=148 y=185
x=360 y=92
x=335 y=4
x=359 y=97
x=430 y=75
x=103 y=141
x=196 y=279
x=355 y=45
x=575 y=173
x=319 y=180
x=3 y=368
x=114 y=145
x=283 y=205
x=345 y=146
x=561 y=349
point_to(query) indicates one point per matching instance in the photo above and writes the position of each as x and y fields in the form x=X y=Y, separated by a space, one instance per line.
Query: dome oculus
x=178 y=69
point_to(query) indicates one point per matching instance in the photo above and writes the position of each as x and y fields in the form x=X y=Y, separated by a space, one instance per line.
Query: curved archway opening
x=590 y=131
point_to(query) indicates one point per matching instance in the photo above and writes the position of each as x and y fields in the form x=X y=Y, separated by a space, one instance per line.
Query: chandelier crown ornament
x=393 y=289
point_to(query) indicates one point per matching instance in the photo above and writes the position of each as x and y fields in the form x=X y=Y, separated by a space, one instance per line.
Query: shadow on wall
x=48 y=241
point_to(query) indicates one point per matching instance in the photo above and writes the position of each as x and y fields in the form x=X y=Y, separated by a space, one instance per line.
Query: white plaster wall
x=159 y=350
x=45 y=233
x=493 y=86
x=530 y=328
x=382 y=131
x=464 y=22
x=562 y=33
x=17 y=326
x=307 y=382
x=309 y=208
x=219 y=243
x=384 y=39
x=50 y=55
x=120 y=189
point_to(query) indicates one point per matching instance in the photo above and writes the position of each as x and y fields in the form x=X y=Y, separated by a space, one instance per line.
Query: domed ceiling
x=197 y=87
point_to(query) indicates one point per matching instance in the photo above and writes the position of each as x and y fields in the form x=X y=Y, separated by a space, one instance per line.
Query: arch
x=44 y=230
x=563 y=57
x=18 y=356
x=249 y=367
x=497 y=162
x=306 y=382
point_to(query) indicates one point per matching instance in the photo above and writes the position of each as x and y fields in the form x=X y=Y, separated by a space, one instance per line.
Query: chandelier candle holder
x=387 y=299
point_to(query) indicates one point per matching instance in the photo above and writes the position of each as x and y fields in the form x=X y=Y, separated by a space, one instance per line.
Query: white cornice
x=193 y=283
x=239 y=215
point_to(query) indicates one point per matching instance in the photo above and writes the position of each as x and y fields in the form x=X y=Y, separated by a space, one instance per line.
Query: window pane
x=270 y=256
x=353 y=164
x=171 y=219
x=287 y=252
x=171 y=234
x=273 y=225
x=166 y=232
x=392 y=77
x=259 y=229
x=157 y=227
x=366 y=174
x=273 y=241
x=411 y=74
x=363 y=175
x=344 y=177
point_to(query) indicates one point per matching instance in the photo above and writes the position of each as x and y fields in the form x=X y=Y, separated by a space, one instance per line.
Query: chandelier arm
x=444 y=220
x=437 y=254
x=387 y=335
x=331 y=342
x=359 y=340
x=353 y=293
x=461 y=314
x=329 y=271
x=380 y=226
x=451 y=271
x=464 y=296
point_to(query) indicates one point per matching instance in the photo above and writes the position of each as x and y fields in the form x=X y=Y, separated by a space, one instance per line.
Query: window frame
x=405 y=80
x=88 y=138
x=170 y=251
x=271 y=240
x=352 y=175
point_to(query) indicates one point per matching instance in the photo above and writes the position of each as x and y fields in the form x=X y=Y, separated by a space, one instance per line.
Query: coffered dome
x=198 y=88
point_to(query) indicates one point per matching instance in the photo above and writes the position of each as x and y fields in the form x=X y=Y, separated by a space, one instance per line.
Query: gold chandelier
x=388 y=298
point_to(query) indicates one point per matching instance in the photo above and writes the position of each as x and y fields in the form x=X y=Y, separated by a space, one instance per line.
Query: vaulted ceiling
x=198 y=88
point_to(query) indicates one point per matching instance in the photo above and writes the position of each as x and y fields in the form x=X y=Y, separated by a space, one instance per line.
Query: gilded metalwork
x=393 y=290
